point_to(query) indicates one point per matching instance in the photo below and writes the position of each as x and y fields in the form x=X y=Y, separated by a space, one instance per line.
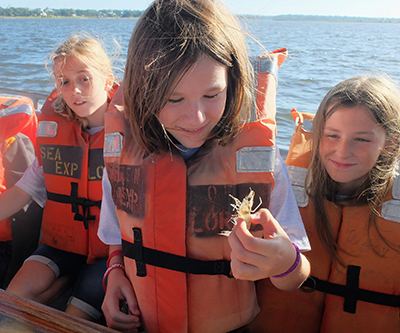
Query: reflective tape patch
x=268 y=64
x=113 y=143
x=301 y=196
x=391 y=210
x=307 y=124
x=297 y=177
x=47 y=129
x=396 y=187
x=255 y=159
x=22 y=108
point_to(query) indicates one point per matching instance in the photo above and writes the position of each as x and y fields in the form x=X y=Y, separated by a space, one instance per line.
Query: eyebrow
x=217 y=87
x=360 y=132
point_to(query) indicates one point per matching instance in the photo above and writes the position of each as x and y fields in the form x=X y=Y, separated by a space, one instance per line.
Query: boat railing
x=34 y=96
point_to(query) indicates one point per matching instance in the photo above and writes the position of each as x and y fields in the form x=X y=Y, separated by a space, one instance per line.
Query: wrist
x=116 y=253
x=293 y=267
x=116 y=265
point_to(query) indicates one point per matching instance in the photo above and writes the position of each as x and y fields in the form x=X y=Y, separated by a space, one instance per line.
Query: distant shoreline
x=129 y=14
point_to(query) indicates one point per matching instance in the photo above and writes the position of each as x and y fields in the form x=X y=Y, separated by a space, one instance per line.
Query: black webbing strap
x=350 y=291
x=146 y=256
x=75 y=203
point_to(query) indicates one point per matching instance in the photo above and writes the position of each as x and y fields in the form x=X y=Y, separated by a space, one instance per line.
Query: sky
x=360 y=8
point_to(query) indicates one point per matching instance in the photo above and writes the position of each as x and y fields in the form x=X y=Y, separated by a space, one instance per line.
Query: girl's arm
x=119 y=290
x=255 y=258
x=13 y=200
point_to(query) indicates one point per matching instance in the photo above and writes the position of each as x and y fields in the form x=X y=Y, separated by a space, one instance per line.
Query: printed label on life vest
x=128 y=188
x=96 y=164
x=210 y=206
x=47 y=129
x=63 y=161
x=113 y=143
x=255 y=159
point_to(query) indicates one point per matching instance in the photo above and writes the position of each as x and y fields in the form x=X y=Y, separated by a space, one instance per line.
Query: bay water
x=321 y=54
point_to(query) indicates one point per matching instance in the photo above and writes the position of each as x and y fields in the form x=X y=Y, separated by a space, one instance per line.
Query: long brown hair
x=168 y=39
x=380 y=96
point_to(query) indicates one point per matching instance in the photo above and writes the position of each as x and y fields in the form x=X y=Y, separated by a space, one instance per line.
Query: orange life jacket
x=364 y=296
x=73 y=166
x=17 y=115
x=171 y=213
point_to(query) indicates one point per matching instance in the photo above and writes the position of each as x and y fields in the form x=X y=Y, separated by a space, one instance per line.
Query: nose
x=196 y=114
x=75 y=89
x=344 y=149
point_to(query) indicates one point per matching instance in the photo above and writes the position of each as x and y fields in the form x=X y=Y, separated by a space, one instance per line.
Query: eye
x=332 y=136
x=362 y=140
x=210 y=96
x=85 y=78
x=173 y=101
x=62 y=82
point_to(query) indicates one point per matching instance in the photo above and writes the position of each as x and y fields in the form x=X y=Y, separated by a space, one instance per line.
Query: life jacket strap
x=146 y=256
x=351 y=292
x=75 y=202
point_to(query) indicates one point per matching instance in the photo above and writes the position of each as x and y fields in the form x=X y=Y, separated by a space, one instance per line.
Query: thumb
x=265 y=218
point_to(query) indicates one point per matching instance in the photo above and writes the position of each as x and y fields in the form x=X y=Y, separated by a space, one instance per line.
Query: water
x=321 y=54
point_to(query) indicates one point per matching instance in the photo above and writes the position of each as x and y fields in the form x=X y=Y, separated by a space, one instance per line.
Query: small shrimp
x=242 y=209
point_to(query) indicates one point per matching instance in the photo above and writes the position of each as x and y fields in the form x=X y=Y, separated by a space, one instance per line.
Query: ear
x=109 y=82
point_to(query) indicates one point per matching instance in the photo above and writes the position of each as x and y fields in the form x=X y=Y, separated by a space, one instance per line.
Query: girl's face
x=197 y=103
x=351 y=144
x=83 y=88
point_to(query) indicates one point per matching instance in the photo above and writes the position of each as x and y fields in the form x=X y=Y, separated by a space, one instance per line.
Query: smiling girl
x=66 y=179
x=177 y=145
x=350 y=206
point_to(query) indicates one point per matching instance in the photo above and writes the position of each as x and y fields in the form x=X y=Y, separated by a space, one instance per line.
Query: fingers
x=120 y=306
x=246 y=257
x=254 y=258
x=117 y=319
x=270 y=225
x=132 y=303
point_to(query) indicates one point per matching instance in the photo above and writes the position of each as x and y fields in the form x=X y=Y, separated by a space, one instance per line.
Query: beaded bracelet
x=109 y=269
x=294 y=266
x=113 y=254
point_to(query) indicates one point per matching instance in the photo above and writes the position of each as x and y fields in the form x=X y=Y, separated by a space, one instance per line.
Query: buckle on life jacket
x=75 y=202
x=144 y=255
x=351 y=292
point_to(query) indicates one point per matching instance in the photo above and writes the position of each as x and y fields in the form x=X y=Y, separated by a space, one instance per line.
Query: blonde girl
x=65 y=179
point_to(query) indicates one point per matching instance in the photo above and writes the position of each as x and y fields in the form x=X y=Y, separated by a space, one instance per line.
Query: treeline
x=49 y=12
x=327 y=18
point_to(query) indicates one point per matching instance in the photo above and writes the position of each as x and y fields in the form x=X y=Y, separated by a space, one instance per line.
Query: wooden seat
x=21 y=315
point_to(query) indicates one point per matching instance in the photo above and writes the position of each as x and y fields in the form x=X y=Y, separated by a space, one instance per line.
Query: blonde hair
x=168 y=39
x=89 y=51
x=380 y=97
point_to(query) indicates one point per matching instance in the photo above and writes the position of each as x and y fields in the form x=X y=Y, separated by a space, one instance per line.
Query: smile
x=195 y=130
x=342 y=165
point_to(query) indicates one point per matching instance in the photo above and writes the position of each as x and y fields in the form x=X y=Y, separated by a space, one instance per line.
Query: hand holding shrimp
x=255 y=258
